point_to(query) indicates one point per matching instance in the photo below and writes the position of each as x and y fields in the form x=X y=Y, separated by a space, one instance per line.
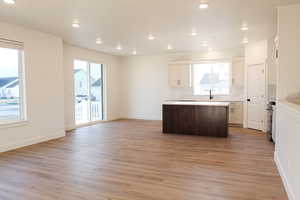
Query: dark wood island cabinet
x=196 y=118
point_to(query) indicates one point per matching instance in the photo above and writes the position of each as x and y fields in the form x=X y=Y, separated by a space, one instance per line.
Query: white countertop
x=227 y=100
x=196 y=103
x=292 y=106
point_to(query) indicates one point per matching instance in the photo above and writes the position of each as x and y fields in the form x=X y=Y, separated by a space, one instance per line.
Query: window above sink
x=211 y=77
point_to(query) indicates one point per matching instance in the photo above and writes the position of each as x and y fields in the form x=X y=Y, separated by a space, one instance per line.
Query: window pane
x=211 y=76
x=81 y=91
x=96 y=91
x=202 y=78
x=10 y=99
x=221 y=83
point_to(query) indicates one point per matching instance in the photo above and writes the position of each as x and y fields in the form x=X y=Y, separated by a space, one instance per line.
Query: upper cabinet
x=179 y=75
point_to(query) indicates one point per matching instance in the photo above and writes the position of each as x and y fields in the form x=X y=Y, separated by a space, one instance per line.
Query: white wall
x=256 y=52
x=271 y=69
x=144 y=86
x=44 y=88
x=112 y=81
x=289 y=48
x=288 y=115
x=145 y=82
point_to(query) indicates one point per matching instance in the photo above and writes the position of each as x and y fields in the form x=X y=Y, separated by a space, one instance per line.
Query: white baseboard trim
x=70 y=128
x=73 y=127
x=287 y=186
x=36 y=140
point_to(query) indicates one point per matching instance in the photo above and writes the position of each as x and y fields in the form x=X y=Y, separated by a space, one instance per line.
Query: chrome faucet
x=210 y=94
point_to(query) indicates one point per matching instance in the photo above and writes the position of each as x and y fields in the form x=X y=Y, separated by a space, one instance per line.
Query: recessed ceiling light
x=75 y=24
x=98 y=41
x=119 y=47
x=245 y=41
x=244 y=28
x=134 y=52
x=203 y=5
x=151 y=37
x=194 y=33
x=170 y=47
x=11 y=2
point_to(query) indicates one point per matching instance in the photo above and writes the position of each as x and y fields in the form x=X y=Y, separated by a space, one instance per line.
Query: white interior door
x=256 y=96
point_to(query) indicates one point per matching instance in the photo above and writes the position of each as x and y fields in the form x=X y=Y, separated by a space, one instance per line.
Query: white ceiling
x=128 y=22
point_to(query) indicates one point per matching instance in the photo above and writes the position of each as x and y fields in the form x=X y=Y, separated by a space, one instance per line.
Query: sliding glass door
x=96 y=92
x=88 y=82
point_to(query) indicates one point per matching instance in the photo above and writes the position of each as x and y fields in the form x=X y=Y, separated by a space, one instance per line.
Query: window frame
x=23 y=117
x=212 y=62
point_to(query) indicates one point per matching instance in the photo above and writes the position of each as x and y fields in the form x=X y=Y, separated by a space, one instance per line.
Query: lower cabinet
x=178 y=119
x=196 y=120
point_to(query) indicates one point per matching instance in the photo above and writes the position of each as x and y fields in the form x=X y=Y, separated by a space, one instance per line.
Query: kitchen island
x=196 y=118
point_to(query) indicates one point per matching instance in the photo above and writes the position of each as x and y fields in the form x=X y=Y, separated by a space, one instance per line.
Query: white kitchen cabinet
x=236 y=113
x=179 y=75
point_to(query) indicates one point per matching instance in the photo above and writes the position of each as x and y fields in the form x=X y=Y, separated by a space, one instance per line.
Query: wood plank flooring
x=133 y=160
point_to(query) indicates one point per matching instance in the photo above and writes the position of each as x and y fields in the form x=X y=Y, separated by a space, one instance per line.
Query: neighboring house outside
x=212 y=81
x=80 y=78
x=9 y=88
x=81 y=94
x=96 y=90
x=208 y=80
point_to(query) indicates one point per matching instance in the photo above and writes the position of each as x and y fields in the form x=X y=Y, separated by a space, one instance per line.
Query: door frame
x=104 y=93
x=258 y=62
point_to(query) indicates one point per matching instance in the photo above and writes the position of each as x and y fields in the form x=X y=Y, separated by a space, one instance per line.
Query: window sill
x=14 y=124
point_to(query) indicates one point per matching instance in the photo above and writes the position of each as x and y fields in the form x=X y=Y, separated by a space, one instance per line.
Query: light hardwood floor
x=133 y=160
